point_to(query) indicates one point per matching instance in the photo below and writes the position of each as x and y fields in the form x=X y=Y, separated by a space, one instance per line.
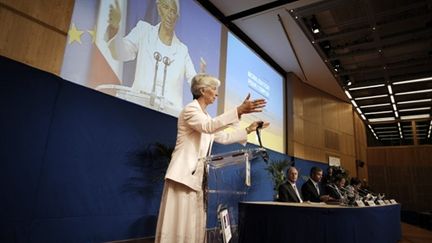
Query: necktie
x=317 y=188
x=297 y=193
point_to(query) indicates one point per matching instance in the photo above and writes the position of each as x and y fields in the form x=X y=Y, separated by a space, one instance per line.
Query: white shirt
x=142 y=43
x=294 y=186
x=316 y=186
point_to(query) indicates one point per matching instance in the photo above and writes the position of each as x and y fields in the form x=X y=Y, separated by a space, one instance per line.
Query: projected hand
x=203 y=65
x=114 y=18
x=251 y=106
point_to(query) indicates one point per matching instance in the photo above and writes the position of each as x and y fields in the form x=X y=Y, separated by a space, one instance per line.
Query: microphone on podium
x=264 y=153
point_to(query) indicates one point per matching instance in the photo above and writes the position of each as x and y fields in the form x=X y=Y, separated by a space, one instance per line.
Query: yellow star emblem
x=92 y=32
x=74 y=34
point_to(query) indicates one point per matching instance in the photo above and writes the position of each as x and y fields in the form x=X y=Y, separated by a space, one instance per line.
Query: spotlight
x=314 y=25
x=336 y=65
x=326 y=47
x=346 y=80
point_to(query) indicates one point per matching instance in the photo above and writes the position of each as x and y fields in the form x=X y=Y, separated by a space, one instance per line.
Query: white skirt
x=182 y=216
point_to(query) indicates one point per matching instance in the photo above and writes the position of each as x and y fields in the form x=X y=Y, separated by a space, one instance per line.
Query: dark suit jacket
x=287 y=193
x=332 y=192
x=309 y=192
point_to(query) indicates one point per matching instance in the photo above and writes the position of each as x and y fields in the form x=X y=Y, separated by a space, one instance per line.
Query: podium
x=228 y=183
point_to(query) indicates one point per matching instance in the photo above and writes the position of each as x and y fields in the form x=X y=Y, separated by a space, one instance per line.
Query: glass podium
x=228 y=183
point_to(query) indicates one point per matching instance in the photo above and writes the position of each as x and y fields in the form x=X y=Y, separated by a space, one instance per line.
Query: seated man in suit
x=311 y=190
x=336 y=189
x=288 y=191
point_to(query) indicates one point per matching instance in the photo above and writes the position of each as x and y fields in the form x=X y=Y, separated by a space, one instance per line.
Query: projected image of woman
x=163 y=61
x=182 y=214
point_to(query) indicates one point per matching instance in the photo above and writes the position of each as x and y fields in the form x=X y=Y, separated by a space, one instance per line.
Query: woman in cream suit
x=182 y=215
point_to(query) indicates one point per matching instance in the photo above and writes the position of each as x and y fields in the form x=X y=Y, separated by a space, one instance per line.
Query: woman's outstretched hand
x=251 y=106
x=257 y=124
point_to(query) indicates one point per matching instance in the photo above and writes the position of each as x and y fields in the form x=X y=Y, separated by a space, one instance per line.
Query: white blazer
x=195 y=136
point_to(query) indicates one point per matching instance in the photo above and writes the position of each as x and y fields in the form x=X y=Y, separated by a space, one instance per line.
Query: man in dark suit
x=311 y=190
x=336 y=190
x=288 y=191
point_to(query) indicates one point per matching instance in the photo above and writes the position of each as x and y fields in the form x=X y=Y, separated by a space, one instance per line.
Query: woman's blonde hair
x=203 y=80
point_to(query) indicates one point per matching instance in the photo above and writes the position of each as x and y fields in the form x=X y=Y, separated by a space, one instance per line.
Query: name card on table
x=381 y=202
x=392 y=201
x=387 y=202
x=360 y=203
x=370 y=203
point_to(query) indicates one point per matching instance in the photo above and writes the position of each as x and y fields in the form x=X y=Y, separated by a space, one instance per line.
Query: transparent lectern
x=228 y=183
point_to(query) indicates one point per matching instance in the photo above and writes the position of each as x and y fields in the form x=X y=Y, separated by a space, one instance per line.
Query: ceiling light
x=314 y=25
x=415 y=92
x=349 y=83
x=389 y=89
x=394 y=107
x=370 y=97
x=396 y=114
x=382 y=119
x=376 y=105
x=412 y=81
x=370 y=126
x=422 y=116
x=414 y=101
x=367 y=87
x=348 y=94
x=354 y=103
x=384 y=128
x=363 y=117
x=389 y=135
x=377 y=112
x=392 y=99
x=387 y=132
x=358 y=110
x=415 y=109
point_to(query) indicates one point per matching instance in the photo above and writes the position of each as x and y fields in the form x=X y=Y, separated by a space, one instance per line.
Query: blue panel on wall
x=93 y=144
x=27 y=97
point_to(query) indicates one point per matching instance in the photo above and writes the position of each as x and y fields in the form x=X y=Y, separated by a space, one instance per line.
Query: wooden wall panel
x=407 y=174
x=299 y=132
x=332 y=140
x=323 y=126
x=313 y=134
x=35 y=32
x=346 y=124
x=54 y=13
x=312 y=108
x=347 y=144
x=348 y=162
x=297 y=95
x=316 y=154
x=330 y=113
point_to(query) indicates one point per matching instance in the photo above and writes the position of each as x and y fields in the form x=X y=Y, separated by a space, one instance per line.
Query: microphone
x=264 y=153
x=157 y=56
x=167 y=61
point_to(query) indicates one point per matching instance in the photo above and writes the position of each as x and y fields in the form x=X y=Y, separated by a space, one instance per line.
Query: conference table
x=274 y=222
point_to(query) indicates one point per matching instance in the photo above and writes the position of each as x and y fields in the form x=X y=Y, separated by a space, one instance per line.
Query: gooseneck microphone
x=167 y=61
x=158 y=57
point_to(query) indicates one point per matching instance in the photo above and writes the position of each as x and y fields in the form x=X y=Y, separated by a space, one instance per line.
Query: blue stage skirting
x=290 y=222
